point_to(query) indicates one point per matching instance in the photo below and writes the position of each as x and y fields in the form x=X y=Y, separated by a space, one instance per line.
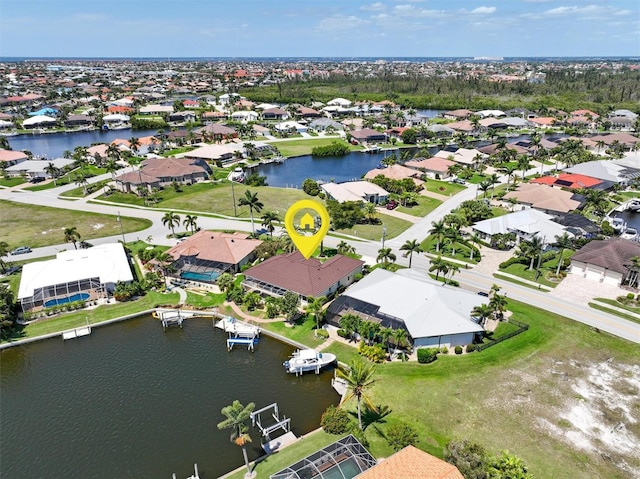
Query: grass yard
x=205 y=300
x=101 y=313
x=302 y=332
x=394 y=225
x=344 y=352
x=79 y=192
x=547 y=270
x=462 y=251
x=620 y=305
x=37 y=226
x=445 y=188
x=9 y=182
x=304 y=147
x=424 y=206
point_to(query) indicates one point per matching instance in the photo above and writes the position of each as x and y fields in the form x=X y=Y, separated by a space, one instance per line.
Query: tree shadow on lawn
x=370 y=417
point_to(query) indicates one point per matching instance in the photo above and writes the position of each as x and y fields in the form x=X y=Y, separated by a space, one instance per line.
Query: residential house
x=79 y=121
x=573 y=181
x=217 y=132
x=461 y=114
x=275 y=114
x=605 y=261
x=525 y=224
x=159 y=110
x=615 y=171
x=368 y=135
x=40 y=121
x=83 y=274
x=244 y=116
x=207 y=254
x=321 y=124
x=161 y=172
x=355 y=191
x=434 y=167
x=546 y=198
x=30 y=169
x=396 y=172
x=11 y=157
x=412 y=463
x=463 y=156
x=305 y=277
x=434 y=315
x=182 y=117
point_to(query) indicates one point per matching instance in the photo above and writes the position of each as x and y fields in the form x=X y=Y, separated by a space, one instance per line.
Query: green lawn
x=344 y=352
x=8 y=182
x=37 y=226
x=302 y=332
x=395 y=226
x=304 y=147
x=69 y=178
x=79 y=191
x=547 y=269
x=445 y=188
x=618 y=304
x=424 y=206
x=204 y=301
x=101 y=313
x=462 y=251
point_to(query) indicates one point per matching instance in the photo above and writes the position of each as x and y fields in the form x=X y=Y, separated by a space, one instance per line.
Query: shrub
x=334 y=149
x=401 y=435
x=444 y=350
x=335 y=420
x=427 y=355
x=343 y=334
x=471 y=348
x=322 y=333
x=458 y=349
x=311 y=187
x=375 y=353
x=630 y=296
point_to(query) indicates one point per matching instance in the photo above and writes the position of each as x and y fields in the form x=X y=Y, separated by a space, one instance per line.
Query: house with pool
x=74 y=275
x=207 y=254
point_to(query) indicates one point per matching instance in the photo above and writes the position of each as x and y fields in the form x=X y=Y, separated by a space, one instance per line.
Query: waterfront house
x=207 y=254
x=463 y=156
x=274 y=114
x=368 y=135
x=355 y=191
x=83 y=274
x=396 y=172
x=605 y=261
x=31 y=169
x=573 y=181
x=79 y=121
x=434 y=315
x=161 y=172
x=305 y=277
x=412 y=463
x=40 y=121
x=461 y=114
x=216 y=132
x=620 y=172
x=434 y=167
x=525 y=224
x=546 y=198
x=11 y=157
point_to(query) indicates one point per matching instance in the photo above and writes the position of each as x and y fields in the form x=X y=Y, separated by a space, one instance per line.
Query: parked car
x=36 y=179
x=392 y=205
x=21 y=250
x=459 y=181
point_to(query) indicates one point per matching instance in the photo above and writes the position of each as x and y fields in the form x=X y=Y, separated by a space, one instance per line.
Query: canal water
x=53 y=145
x=133 y=401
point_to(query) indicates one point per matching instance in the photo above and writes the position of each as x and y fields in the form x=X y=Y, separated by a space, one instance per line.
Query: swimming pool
x=209 y=277
x=67 y=299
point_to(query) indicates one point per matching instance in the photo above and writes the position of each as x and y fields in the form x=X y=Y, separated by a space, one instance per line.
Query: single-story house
x=37 y=168
x=79 y=120
x=573 y=181
x=607 y=170
x=291 y=126
x=412 y=463
x=223 y=152
x=38 y=121
x=457 y=114
x=11 y=157
x=434 y=166
x=275 y=114
x=628 y=140
x=207 y=254
x=355 y=191
x=182 y=116
x=464 y=156
x=305 y=112
x=525 y=224
x=434 y=315
x=546 y=198
x=216 y=132
x=494 y=148
x=368 y=135
x=244 y=116
x=160 y=172
x=321 y=124
x=156 y=110
x=464 y=126
x=605 y=260
x=306 y=277
x=396 y=172
x=83 y=274
x=339 y=102
x=491 y=113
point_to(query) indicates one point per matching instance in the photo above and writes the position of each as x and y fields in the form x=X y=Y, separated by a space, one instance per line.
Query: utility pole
x=384 y=234
x=119 y=219
x=233 y=195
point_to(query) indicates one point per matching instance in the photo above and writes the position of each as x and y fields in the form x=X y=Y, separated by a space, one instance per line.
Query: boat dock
x=273 y=445
x=172 y=317
x=195 y=474
x=77 y=332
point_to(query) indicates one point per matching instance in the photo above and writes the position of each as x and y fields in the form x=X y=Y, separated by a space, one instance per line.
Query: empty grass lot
x=424 y=206
x=37 y=226
x=394 y=225
x=445 y=188
x=304 y=147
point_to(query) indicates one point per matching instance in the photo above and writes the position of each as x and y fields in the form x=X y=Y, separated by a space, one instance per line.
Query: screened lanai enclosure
x=344 y=459
x=64 y=293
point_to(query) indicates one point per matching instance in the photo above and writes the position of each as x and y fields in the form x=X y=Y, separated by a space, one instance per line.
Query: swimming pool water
x=67 y=299
x=210 y=276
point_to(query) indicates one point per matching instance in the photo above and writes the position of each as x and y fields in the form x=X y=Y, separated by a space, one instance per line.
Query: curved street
x=468 y=278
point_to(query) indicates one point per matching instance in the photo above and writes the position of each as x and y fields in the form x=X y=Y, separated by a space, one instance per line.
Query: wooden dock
x=77 y=332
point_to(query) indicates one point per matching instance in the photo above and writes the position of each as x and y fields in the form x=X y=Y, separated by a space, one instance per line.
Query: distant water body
x=315 y=59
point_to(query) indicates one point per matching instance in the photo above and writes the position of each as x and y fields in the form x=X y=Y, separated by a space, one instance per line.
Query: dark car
x=37 y=179
x=482 y=293
x=21 y=250
x=392 y=205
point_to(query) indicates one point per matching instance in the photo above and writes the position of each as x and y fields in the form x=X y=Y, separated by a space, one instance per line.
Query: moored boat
x=618 y=224
x=630 y=234
x=634 y=205
x=308 y=360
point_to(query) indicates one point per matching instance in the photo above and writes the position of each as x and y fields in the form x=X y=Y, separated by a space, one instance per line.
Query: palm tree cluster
x=496 y=307
x=372 y=332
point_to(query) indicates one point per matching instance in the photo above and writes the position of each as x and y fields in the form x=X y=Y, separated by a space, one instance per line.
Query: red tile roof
x=307 y=277
x=568 y=180
x=11 y=155
x=229 y=248
x=412 y=463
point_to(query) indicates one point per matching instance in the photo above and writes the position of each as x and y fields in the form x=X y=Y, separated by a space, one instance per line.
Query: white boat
x=237 y=175
x=630 y=234
x=308 y=360
x=634 y=205
x=618 y=224
x=238 y=329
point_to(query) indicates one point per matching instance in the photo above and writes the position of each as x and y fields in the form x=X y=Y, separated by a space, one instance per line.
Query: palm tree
x=268 y=218
x=251 y=200
x=225 y=282
x=237 y=415
x=53 y=171
x=439 y=266
x=484 y=186
x=523 y=164
x=634 y=268
x=81 y=180
x=474 y=241
x=400 y=337
x=385 y=255
x=563 y=242
x=438 y=229
x=370 y=213
x=314 y=306
x=454 y=236
x=111 y=167
x=191 y=222
x=482 y=312
x=494 y=179
x=134 y=143
x=171 y=220
x=498 y=304
x=453 y=269
x=113 y=152
x=359 y=378
x=531 y=249
x=410 y=247
x=345 y=248
x=385 y=335
x=71 y=235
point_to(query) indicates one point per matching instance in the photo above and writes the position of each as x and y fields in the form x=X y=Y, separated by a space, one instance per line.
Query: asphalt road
x=468 y=279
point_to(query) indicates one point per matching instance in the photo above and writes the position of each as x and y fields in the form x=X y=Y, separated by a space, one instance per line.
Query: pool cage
x=63 y=291
x=201 y=267
x=344 y=459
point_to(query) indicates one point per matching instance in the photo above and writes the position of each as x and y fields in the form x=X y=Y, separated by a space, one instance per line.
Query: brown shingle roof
x=230 y=248
x=307 y=277
x=412 y=463
x=612 y=254
x=544 y=197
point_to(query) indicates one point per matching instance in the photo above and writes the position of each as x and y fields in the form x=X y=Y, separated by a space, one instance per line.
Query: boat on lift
x=630 y=234
x=304 y=360
x=618 y=224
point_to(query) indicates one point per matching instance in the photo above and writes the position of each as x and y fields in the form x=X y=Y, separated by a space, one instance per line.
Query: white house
x=355 y=191
x=339 y=102
x=36 y=168
x=434 y=315
x=291 y=125
x=525 y=224
x=74 y=275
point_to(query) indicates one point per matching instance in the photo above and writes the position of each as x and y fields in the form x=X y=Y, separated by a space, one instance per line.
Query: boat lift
x=284 y=423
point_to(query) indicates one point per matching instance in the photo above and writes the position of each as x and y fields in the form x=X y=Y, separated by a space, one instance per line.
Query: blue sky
x=342 y=28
